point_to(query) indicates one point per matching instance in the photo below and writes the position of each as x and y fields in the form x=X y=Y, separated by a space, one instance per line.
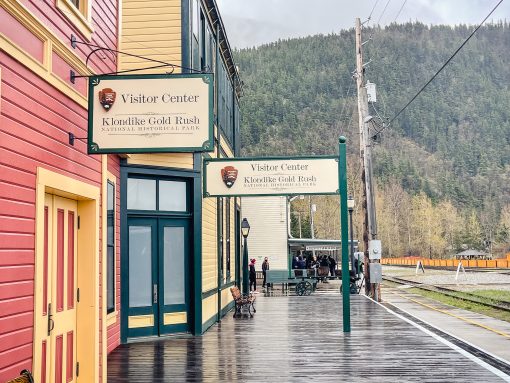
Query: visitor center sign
x=150 y=113
x=270 y=176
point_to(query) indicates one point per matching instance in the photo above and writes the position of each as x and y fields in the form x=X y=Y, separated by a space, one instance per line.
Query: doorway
x=157 y=274
x=57 y=341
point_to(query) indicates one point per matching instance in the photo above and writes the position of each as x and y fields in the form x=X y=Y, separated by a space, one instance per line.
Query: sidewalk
x=300 y=339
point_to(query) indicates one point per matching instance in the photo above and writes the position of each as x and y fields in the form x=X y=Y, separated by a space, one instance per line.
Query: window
x=141 y=194
x=157 y=194
x=194 y=18
x=195 y=27
x=172 y=196
x=110 y=248
x=227 y=234
x=79 y=13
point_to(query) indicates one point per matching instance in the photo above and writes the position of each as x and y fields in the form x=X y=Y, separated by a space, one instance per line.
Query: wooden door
x=58 y=338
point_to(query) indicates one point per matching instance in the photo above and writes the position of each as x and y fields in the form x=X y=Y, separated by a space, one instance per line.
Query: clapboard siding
x=172 y=160
x=151 y=29
x=268 y=232
x=113 y=332
x=35 y=119
x=104 y=22
x=209 y=245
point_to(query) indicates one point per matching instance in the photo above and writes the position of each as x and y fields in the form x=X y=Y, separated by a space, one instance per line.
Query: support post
x=342 y=187
x=354 y=271
x=368 y=204
x=246 y=287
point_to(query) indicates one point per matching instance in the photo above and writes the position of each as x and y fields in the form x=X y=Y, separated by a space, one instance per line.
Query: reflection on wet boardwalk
x=299 y=339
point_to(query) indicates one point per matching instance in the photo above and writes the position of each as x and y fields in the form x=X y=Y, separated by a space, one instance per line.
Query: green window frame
x=110 y=247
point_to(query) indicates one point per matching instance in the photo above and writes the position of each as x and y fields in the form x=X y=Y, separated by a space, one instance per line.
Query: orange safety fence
x=480 y=263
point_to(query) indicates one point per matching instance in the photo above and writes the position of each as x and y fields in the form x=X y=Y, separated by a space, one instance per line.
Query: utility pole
x=368 y=204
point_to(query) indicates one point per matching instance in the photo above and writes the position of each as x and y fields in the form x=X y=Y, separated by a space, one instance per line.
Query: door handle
x=51 y=322
x=155 y=294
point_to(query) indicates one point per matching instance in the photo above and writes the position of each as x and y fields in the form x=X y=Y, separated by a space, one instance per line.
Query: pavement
x=300 y=339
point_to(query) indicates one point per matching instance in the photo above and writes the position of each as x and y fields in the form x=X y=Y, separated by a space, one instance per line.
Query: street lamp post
x=350 y=208
x=245 y=230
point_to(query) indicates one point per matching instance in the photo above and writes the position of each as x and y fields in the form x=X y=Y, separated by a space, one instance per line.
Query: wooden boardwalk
x=299 y=339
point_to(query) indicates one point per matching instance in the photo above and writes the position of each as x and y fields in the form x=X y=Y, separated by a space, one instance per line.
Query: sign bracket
x=72 y=137
x=98 y=48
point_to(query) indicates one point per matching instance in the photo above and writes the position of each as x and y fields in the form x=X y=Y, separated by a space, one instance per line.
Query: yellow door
x=56 y=332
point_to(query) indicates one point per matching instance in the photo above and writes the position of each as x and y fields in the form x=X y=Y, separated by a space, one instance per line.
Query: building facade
x=192 y=242
x=96 y=250
x=269 y=230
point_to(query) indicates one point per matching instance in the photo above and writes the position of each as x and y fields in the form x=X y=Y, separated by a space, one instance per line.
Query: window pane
x=110 y=280
x=195 y=17
x=110 y=230
x=110 y=196
x=140 y=266
x=172 y=196
x=174 y=265
x=141 y=194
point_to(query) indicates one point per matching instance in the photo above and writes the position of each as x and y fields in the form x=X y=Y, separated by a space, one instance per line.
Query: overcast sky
x=254 y=22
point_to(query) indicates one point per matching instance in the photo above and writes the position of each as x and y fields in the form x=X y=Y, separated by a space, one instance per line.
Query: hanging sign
x=150 y=113
x=270 y=176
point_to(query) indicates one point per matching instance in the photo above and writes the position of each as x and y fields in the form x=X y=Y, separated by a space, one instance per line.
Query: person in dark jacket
x=301 y=263
x=253 y=276
x=265 y=267
x=295 y=261
x=332 y=265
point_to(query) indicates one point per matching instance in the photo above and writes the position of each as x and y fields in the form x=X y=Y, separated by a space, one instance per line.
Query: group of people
x=314 y=262
x=253 y=273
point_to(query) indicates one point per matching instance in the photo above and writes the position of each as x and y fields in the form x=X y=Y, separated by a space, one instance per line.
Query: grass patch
x=500 y=295
x=475 y=307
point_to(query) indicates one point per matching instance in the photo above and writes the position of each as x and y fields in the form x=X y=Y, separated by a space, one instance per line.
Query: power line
x=375 y=5
x=444 y=65
x=400 y=10
x=384 y=10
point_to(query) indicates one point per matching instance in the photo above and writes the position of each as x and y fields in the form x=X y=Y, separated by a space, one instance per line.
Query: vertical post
x=246 y=287
x=354 y=271
x=368 y=204
x=342 y=187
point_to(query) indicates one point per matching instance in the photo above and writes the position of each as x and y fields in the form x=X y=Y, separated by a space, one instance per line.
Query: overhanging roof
x=471 y=252
x=317 y=242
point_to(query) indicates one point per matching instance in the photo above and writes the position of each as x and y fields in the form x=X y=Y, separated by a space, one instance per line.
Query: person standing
x=253 y=276
x=265 y=267
x=332 y=265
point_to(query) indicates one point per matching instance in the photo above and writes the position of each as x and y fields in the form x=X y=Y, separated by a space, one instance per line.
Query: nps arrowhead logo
x=107 y=98
x=229 y=175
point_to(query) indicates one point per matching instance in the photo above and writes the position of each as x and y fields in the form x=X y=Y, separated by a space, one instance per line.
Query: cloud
x=254 y=22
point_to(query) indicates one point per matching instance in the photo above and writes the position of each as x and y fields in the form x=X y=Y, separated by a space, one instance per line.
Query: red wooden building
x=59 y=206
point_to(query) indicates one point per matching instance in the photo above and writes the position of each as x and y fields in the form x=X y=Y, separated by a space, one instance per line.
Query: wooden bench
x=25 y=376
x=242 y=301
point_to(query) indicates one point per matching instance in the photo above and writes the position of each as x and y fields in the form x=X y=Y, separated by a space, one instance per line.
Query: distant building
x=268 y=233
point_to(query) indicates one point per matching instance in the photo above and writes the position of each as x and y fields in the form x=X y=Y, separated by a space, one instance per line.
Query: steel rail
x=472 y=298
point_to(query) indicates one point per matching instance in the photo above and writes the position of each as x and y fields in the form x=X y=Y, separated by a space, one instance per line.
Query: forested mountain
x=445 y=159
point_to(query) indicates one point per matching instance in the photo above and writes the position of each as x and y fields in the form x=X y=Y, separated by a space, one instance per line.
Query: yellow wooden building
x=180 y=251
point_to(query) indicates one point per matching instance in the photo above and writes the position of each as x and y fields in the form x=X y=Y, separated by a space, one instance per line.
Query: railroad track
x=467 y=297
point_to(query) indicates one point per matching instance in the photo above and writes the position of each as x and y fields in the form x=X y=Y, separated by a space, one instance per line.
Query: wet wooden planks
x=299 y=339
